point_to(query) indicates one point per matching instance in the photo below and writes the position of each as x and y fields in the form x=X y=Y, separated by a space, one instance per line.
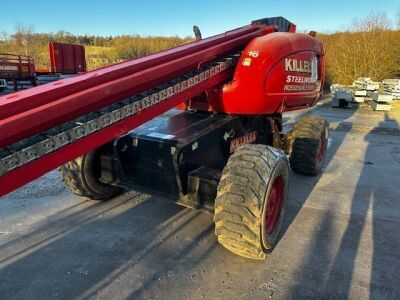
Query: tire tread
x=240 y=199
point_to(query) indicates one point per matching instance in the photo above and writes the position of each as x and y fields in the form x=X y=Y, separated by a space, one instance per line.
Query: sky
x=177 y=17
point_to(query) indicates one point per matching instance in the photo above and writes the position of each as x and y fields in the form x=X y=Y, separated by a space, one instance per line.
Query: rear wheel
x=308 y=145
x=82 y=174
x=251 y=200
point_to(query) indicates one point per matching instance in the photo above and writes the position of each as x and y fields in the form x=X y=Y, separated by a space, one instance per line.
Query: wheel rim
x=274 y=205
x=322 y=147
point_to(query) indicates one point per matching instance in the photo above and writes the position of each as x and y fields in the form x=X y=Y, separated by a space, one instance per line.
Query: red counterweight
x=276 y=72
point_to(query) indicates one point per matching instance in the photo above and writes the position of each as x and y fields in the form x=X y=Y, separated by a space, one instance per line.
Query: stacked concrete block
x=392 y=86
x=380 y=100
x=359 y=95
x=341 y=96
x=378 y=95
x=380 y=106
x=362 y=86
x=365 y=83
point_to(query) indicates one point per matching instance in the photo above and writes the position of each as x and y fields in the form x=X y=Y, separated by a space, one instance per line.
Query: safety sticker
x=246 y=62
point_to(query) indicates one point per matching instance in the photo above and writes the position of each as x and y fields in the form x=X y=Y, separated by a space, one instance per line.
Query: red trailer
x=17 y=68
x=65 y=59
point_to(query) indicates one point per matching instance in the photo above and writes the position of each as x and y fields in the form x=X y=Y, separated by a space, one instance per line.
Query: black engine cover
x=180 y=155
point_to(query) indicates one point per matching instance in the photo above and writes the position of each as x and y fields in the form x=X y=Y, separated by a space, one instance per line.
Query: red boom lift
x=221 y=151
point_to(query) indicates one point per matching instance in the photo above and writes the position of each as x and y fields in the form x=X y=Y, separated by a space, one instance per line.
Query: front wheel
x=251 y=200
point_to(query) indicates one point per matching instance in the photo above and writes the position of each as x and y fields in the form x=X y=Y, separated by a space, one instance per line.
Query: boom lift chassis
x=221 y=150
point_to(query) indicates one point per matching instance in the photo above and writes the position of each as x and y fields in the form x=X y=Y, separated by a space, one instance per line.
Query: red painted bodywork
x=261 y=85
